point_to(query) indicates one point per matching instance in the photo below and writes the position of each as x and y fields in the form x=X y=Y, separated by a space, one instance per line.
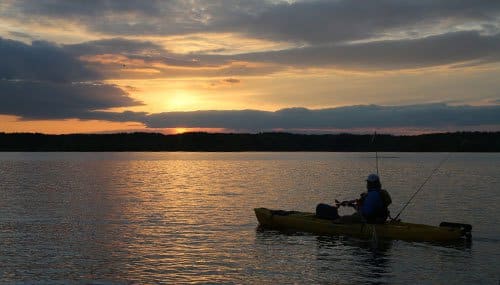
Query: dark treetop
x=460 y=141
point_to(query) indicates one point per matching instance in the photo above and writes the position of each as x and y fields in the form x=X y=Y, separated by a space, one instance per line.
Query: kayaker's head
x=373 y=182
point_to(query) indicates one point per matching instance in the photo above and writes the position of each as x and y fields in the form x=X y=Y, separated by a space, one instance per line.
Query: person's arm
x=360 y=201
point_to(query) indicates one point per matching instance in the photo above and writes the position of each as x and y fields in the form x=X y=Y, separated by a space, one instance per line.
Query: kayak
x=309 y=222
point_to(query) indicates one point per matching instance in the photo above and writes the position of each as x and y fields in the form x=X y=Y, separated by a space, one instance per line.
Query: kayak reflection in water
x=371 y=207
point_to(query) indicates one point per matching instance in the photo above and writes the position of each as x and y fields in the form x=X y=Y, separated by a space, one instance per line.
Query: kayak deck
x=309 y=222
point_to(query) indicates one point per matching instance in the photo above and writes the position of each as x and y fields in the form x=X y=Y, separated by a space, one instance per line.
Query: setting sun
x=180 y=130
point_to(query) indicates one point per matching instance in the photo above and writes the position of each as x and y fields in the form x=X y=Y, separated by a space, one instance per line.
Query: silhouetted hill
x=460 y=141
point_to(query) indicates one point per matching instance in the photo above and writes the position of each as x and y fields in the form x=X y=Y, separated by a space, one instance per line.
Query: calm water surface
x=135 y=218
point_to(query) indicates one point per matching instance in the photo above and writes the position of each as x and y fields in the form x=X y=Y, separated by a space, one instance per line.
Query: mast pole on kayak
x=376 y=152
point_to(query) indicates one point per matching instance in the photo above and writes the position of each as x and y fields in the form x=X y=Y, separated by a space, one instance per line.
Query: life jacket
x=372 y=212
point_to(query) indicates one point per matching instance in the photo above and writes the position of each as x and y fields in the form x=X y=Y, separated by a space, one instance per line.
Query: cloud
x=347 y=20
x=124 y=17
x=49 y=100
x=130 y=66
x=126 y=58
x=77 y=10
x=298 y=21
x=40 y=61
x=113 y=46
x=43 y=81
x=122 y=58
x=227 y=82
x=21 y=35
x=430 y=117
x=232 y=80
x=363 y=116
x=430 y=51
x=119 y=57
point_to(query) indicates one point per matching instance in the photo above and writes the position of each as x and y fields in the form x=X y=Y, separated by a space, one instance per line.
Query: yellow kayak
x=309 y=222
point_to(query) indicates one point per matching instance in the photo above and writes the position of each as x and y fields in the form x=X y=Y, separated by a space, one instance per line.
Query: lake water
x=170 y=218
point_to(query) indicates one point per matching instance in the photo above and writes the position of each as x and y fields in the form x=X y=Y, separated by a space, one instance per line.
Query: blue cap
x=373 y=178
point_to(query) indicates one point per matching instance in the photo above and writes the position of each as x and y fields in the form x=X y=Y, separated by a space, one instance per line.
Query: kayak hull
x=309 y=222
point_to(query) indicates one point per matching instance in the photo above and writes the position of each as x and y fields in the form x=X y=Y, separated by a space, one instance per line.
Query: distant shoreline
x=233 y=142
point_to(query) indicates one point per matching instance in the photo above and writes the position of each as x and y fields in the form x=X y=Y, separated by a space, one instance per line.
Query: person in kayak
x=372 y=205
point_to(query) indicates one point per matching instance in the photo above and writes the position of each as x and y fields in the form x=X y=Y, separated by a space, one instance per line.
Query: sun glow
x=180 y=100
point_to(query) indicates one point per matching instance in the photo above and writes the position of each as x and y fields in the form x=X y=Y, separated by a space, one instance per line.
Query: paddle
x=347 y=203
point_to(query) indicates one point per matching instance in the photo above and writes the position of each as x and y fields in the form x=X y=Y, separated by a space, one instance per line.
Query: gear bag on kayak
x=325 y=211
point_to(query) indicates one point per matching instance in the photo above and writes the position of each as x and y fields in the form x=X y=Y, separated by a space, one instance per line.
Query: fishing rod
x=422 y=185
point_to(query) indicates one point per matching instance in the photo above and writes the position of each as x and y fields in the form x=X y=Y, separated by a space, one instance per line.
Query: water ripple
x=170 y=218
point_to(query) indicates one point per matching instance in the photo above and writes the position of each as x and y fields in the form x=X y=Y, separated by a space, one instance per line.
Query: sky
x=392 y=66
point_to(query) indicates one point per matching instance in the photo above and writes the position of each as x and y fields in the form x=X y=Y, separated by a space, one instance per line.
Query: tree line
x=273 y=141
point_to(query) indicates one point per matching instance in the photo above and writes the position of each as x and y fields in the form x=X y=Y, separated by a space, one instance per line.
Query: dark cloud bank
x=304 y=21
x=44 y=81
x=40 y=61
x=365 y=116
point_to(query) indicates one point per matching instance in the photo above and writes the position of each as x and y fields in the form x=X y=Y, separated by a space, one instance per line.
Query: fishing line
x=422 y=185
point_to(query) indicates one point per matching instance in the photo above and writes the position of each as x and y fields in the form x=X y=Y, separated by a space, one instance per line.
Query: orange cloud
x=11 y=124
